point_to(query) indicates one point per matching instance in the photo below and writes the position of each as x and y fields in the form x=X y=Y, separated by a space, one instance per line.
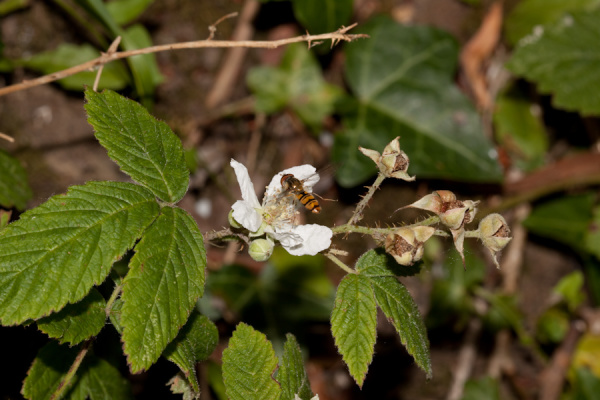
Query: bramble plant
x=52 y=258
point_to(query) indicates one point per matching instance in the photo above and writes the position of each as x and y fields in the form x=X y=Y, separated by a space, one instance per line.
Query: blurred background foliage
x=531 y=153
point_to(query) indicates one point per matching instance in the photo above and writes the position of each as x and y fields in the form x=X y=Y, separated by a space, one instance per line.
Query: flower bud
x=260 y=231
x=261 y=249
x=406 y=244
x=393 y=162
x=494 y=233
x=232 y=222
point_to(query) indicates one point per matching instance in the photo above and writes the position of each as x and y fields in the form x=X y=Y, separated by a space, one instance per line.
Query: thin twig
x=6 y=137
x=213 y=28
x=64 y=384
x=339 y=35
x=552 y=377
x=232 y=62
x=111 y=50
x=466 y=357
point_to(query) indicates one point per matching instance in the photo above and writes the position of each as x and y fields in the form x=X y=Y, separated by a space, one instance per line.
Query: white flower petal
x=246 y=186
x=288 y=238
x=301 y=172
x=315 y=238
x=246 y=215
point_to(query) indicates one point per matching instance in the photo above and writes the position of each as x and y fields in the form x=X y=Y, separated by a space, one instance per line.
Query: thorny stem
x=335 y=37
x=340 y=263
x=64 y=384
x=357 y=215
x=349 y=228
x=225 y=235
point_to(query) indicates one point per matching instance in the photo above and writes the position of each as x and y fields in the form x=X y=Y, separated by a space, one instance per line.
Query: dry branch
x=335 y=38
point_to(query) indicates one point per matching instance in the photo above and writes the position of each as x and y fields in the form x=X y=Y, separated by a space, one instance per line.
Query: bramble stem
x=64 y=384
x=113 y=297
x=335 y=37
x=340 y=263
x=357 y=215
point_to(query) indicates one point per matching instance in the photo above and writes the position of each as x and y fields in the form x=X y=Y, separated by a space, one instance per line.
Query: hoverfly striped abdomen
x=293 y=185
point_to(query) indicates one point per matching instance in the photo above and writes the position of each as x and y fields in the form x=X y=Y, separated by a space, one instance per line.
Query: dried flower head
x=406 y=244
x=495 y=234
x=393 y=162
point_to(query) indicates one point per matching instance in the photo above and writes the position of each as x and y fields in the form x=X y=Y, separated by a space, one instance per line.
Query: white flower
x=277 y=214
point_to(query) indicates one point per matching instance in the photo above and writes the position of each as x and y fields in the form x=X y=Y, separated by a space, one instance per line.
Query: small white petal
x=246 y=186
x=246 y=215
x=315 y=238
x=288 y=238
x=301 y=172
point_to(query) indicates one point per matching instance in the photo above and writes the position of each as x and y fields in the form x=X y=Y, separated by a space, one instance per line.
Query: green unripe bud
x=232 y=221
x=261 y=249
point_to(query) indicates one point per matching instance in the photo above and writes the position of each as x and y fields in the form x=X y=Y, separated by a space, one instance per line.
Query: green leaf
x=531 y=13
x=115 y=315
x=14 y=189
x=377 y=262
x=401 y=310
x=195 y=342
x=76 y=322
x=9 y=6
x=146 y=74
x=215 y=379
x=56 y=252
x=452 y=293
x=322 y=16
x=520 y=132
x=48 y=370
x=570 y=288
x=592 y=234
x=166 y=278
x=292 y=375
x=180 y=385
x=114 y=75
x=552 y=326
x=249 y=363
x=403 y=79
x=483 y=388
x=294 y=290
x=565 y=219
x=591 y=268
x=97 y=379
x=587 y=353
x=562 y=60
x=143 y=67
x=4 y=218
x=354 y=324
x=146 y=149
x=125 y=11
x=297 y=83
x=586 y=385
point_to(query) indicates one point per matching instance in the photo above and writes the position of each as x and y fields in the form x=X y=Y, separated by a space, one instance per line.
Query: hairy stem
x=340 y=263
x=64 y=384
x=113 y=297
x=357 y=214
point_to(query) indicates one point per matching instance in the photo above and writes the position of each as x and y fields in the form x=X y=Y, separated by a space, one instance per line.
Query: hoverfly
x=295 y=186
